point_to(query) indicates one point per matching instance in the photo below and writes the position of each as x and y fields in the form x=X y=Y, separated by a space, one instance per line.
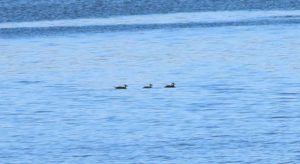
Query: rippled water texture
x=31 y=10
x=237 y=99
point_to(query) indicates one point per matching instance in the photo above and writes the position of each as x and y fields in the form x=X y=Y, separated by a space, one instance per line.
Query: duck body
x=148 y=86
x=121 y=87
x=170 y=85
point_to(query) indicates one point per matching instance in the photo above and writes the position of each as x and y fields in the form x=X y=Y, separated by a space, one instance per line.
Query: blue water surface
x=236 y=101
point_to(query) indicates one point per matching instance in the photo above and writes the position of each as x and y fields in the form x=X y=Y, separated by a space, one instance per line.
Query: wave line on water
x=150 y=22
x=194 y=17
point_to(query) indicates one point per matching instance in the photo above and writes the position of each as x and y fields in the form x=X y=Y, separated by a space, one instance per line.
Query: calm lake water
x=236 y=101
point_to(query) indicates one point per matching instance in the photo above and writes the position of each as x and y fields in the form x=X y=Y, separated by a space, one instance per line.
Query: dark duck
x=121 y=87
x=148 y=86
x=172 y=85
